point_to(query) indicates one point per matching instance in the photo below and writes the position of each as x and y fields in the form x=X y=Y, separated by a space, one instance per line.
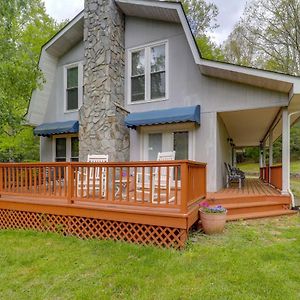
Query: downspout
x=289 y=188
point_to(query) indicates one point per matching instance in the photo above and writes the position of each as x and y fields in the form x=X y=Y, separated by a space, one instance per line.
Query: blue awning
x=164 y=116
x=48 y=129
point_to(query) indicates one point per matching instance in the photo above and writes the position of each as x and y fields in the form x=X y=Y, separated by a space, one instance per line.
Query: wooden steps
x=255 y=200
x=254 y=207
x=263 y=214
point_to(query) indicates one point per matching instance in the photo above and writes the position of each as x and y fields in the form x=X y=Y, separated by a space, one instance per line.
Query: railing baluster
x=167 y=184
x=88 y=182
x=127 y=183
x=176 y=170
x=151 y=186
x=101 y=170
x=94 y=181
x=158 y=185
x=113 y=183
x=143 y=184
x=106 y=183
x=135 y=178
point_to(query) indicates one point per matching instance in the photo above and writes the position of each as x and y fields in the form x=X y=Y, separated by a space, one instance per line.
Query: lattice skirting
x=84 y=227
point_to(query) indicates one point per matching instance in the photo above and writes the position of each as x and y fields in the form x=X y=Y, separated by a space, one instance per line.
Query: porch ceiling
x=248 y=127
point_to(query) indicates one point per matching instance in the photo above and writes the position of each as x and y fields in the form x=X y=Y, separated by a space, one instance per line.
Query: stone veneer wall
x=102 y=129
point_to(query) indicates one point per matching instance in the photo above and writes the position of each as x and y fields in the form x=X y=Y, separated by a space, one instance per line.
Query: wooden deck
x=256 y=199
x=128 y=205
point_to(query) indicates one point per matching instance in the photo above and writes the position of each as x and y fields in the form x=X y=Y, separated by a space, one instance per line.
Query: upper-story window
x=148 y=73
x=73 y=87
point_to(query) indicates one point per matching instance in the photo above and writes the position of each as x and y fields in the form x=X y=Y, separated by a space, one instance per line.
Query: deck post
x=184 y=186
x=285 y=152
x=270 y=154
x=234 y=157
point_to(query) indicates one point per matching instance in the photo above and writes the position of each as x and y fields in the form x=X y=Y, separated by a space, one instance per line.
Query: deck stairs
x=255 y=200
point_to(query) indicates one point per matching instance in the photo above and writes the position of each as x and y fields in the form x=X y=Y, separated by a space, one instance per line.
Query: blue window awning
x=164 y=116
x=48 y=129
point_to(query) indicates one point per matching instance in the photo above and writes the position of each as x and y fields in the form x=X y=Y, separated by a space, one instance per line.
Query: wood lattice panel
x=84 y=227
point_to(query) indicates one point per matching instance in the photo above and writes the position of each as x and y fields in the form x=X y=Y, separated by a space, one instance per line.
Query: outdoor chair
x=96 y=174
x=234 y=176
x=164 y=178
x=236 y=170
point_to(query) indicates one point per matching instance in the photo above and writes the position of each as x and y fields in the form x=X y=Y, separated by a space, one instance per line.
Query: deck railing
x=276 y=176
x=272 y=175
x=168 y=184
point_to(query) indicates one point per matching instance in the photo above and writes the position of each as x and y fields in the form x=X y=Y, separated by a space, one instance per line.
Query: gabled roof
x=66 y=38
x=168 y=11
x=172 y=11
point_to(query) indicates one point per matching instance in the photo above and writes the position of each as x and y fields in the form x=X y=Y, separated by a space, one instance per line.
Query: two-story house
x=126 y=78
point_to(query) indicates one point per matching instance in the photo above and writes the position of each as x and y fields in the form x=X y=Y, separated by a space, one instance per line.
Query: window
x=61 y=149
x=73 y=87
x=66 y=148
x=148 y=73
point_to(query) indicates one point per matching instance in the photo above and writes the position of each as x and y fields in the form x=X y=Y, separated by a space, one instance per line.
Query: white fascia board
x=294 y=81
x=63 y=30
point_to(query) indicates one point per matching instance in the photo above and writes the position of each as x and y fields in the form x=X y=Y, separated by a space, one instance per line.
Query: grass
x=254 y=167
x=252 y=260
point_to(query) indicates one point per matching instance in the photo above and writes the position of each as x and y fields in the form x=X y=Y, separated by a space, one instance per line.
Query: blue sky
x=229 y=13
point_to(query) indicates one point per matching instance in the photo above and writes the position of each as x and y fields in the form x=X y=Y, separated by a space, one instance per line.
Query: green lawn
x=252 y=260
x=254 y=167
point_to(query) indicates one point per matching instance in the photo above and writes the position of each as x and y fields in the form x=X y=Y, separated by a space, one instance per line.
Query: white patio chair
x=164 y=177
x=93 y=180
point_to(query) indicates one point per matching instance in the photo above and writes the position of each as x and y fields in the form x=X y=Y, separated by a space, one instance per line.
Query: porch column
x=285 y=152
x=270 y=153
x=261 y=162
x=264 y=154
x=234 y=157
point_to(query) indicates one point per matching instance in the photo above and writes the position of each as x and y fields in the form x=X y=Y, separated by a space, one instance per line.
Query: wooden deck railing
x=276 y=176
x=169 y=184
x=272 y=175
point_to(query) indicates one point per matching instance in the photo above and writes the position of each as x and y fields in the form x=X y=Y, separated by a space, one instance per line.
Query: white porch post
x=261 y=159
x=285 y=152
x=234 y=157
x=270 y=153
x=264 y=154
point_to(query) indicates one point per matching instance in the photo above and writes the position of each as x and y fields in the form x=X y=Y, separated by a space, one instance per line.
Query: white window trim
x=147 y=47
x=68 y=145
x=78 y=64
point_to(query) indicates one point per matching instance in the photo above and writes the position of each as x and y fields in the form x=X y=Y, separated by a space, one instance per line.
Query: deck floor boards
x=252 y=187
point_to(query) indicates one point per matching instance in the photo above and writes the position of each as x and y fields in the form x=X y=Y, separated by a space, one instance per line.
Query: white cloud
x=63 y=9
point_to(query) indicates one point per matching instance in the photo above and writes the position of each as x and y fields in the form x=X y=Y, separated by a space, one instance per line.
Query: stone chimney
x=102 y=129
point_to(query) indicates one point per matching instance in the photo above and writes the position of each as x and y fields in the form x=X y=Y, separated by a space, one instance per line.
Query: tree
x=267 y=36
x=202 y=17
x=24 y=28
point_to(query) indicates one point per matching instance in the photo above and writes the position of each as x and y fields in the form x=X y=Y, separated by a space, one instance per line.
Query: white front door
x=179 y=141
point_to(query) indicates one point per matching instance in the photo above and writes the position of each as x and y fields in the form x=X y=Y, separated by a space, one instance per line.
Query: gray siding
x=55 y=109
x=187 y=86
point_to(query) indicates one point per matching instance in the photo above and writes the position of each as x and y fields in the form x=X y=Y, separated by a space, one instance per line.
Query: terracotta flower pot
x=213 y=223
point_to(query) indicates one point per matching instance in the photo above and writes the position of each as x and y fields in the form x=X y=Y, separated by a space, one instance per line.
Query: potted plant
x=213 y=218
